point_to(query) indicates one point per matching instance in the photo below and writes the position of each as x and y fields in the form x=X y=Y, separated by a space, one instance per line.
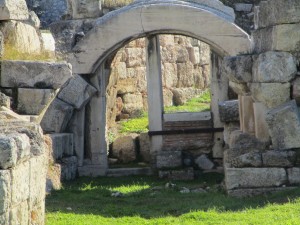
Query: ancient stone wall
x=262 y=154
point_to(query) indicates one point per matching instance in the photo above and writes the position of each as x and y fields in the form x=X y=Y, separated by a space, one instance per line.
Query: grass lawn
x=145 y=200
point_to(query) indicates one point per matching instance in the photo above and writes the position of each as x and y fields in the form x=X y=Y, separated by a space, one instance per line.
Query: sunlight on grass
x=127 y=189
x=136 y=125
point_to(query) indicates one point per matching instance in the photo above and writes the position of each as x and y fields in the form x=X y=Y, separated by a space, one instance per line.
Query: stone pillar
x=96 y=128
x=261 y=126
x=219 y=90
x=155 y=95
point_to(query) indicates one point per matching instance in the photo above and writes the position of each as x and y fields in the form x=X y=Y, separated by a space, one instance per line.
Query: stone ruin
x=257 y=135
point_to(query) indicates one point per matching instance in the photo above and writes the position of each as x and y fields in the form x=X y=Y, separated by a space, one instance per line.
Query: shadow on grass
x=147 y=197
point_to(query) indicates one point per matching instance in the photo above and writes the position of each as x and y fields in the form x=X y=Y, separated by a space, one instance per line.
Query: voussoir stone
x=229 y=111
x=8 y=152
x=57 y=117
x=238 y=69
x=77 y=92
x=34 y=74
x=13 y=10
x=272 y=67
x=254 y=177
x=270 y=94
x=274 y=12
x=284 y=126
x=279 y=158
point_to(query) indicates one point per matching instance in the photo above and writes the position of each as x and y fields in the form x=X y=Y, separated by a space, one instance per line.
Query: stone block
x=13 y=10
x=124 y=149
x=238 y=69
x=251 y=159
x=76 y=92
x=184 y=71
x=184 y=174
x=144 y=152
x=4 y=100
x=8 y=152
x=22 y=36
x=34 y=74
x=218 y=145
x=4 y=219
x=85 y=9
x=33 y=101
x=62 y=145
x=23 y=145
x=57 y=117
x=229 y=111
x=20 y=183
x=228 y=129
x=19 y=213
x=182 y=95
x=247 y=116
x=284 y=126
x=279 y=158
x=169 y=159
x=264 y=93
x=261 y=126
x=250 y=192
x=275 y=38
x=69 y=168
x=254 y=177
x=5 y=191
x=135 y=57
x=203 y=162
x=274 y=67
x=38 y=171
x=294 y=175
x=243 y=7
x=37 y=213
x=239 y=88
x=169 y=75
x=133 y=104
x=274 y=12
x=240 y=140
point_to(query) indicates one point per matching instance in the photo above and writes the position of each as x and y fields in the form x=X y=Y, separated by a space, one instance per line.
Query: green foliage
x=136 y=125
x=145 y=200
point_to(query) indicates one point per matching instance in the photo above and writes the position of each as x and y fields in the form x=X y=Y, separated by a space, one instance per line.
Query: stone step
x=119 y=172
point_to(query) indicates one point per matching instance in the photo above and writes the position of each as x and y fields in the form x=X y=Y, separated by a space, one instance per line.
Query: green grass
x=88 y=201
x=136 y=125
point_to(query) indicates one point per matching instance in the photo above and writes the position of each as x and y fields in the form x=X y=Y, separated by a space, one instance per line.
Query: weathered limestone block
x=296 y=90
x=33 y=101
x=261 y=126
x=276 y=39
x=250 y=192
x=274 y=12
x=294 y=175
x=22 y=37
x=229 y=111
x=251 y=159
x=37 y=213
x=167 y=97
x=5 y=191
x=81 y=9
x=228 y=129
x=184 y=74
x=182 y=54
x=238 y=69
x=135 y=57
x=124 y=149
x=8 y=152
x=23 y=145
x=183 y=174
x=62 y=145
x=48 y=43
x=76 y=92
x=144 y=140
x=279 y=158
x=69 y=168
x=34 y=20
x=274 y=67
x=284 y=126
x=13 y=10
x=169 y=159
x=34 y=74
x=243 y=7
x=1 y=44
x=57 y=117
x=38 y=172
x=133 y=104
x=204 y=162
x=240 y=140
x=254 y=177
x=265 y=93
x=20 y=183
x=19 y=213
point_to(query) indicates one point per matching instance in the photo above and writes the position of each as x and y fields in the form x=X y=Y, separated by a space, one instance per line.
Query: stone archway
x=209 y=21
